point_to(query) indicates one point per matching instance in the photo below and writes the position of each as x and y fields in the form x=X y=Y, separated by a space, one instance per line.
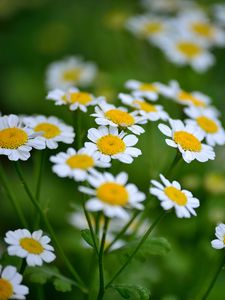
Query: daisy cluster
x=183 y=30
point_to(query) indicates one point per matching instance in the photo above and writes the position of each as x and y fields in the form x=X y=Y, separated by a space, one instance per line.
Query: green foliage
x=135 y=291
x=86 y=235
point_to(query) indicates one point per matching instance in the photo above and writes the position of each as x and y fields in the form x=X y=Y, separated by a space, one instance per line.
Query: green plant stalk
x=100 y=261
x=175 y=161
x=12 y=199
x=143 y=239
x=80 y=283
x=91 y=229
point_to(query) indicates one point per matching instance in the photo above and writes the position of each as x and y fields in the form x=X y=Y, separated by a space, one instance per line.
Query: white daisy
x=17 y=140
x=171 y=6
x=112 y=194
x=32 y=246
x=76 y=164
x=70 y=72
x=171 y=195
x=143 y=89
x=10 y=284
x=209 y=124
x=110 y=144
x=72 y=97
x=188 y=139
x=108 y=114
x=53 y=130
x=148 y=111
x=219 y=243
x=219 y=13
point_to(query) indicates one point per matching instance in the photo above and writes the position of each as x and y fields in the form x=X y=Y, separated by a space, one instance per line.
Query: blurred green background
x=35 y=33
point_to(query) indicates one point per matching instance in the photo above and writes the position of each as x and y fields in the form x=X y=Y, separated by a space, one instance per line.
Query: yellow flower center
x=148 y=87
x=203 y=29
x=184 y=96
x=31 y=245
x=152 y=28
x=72 y=74
x=187 y=141
x=189 y=49
x=112 y=193
x=142 y=105
x=6 y=289
x=80 y=97
x=224 y=239
x=207 y=124
x=176 y=195
x=12 y=138
x=111 y=144
x=80 y=161
x=120 y=117
x=49 y=130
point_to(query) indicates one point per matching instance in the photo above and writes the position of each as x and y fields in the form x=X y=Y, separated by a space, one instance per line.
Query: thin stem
x=122 y=231
x=23 y=266
x=11 y=198
x=143 y=239
x=91 y=229
x=80 y=283
x=100 y=262
x=176 y=160
x=214 y=278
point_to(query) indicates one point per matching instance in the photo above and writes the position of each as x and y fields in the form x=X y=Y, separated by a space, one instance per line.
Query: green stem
x=11 y=198
x=80 y=283
x=91 y=229
x=100 y=261
x=143 y=239
x=23 y=266
x=214 y=278
x=176 y=160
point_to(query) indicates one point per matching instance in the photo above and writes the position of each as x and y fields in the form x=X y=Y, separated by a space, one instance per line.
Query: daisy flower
x=76 y=164
x=219 y=13
x=108 y=114
x=16 y=140
x=188 y=139
x=10 y=284
x=32 y=246
x=143 y=89
x=109 y=144
x=111 y=194
x=72 y=97
x=53 y=130
x=70 y=72
x=148 y=111
x=172 y=6
x=219 y=243
x=209 y=124
x=171 y=195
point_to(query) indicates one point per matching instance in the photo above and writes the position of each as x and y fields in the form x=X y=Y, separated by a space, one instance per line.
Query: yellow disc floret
x=184 y=96
x=31 y=245
x=203 y=29
x=80 y=98
x=80 y=161
x=49 y=130
x=152 y=28
x=120 y=117
x=176 y=195
x=148 y=87
x=207 y=124
x=6 y=289
x=187 y=141
x=12 y=138
x=111 y=144
x=189 y=49
x=112 y=193
x=142 y=105
x=72 y=74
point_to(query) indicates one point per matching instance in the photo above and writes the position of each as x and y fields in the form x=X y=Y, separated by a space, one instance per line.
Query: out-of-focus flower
x=17 y=140
x=215 y=183
x=172 y=6
x=148 y=111
x=76 y=164
x=188 y=139
x=110 y=144
x=108 y=114
x=171 y=195
x=32 y=246
x=219 y=243
x=52 y=130
x=70 y=72
x=115 y=19
x=209 y=124
x=112 y=194
x=143 y=89
x=219 y=13
x=10 y=284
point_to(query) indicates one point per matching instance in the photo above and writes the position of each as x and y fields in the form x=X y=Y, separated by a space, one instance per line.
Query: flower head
x=219 y=243
x=76 y=164
x=17 y=140
x=111 y=194
x=10 y=284
x=188 y=139
x=171 y=195
x=52 y=130
x=143 y=89
x=32 y=246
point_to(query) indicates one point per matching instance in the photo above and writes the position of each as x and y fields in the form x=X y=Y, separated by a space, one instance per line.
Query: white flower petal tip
x=219 y=243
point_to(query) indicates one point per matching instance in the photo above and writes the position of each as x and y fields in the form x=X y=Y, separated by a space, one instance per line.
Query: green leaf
x=136 y=291
x=86 y=235
x=62 y=285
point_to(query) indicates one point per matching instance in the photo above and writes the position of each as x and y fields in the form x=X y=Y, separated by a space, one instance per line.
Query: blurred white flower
x=219 y=243
x=143 y=89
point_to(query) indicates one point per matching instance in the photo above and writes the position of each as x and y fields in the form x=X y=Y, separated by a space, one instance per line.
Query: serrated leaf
x=86 y=235
x=137 y=291
x=62 y=285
